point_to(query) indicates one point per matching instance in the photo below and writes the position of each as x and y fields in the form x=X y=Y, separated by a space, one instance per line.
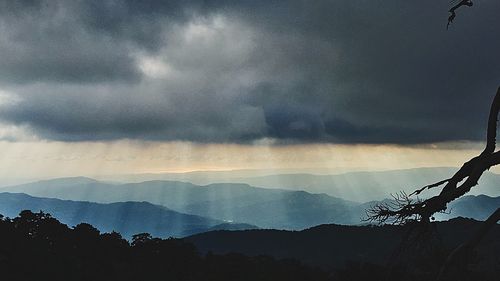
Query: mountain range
x=266 y=208
x=240 y=205
x=362 y=186
x=127 y=218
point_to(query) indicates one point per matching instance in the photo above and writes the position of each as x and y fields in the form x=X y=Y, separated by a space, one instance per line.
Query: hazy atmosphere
x=217 y=123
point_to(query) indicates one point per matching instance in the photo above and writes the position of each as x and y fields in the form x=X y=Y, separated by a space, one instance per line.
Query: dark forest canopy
x=35 y=246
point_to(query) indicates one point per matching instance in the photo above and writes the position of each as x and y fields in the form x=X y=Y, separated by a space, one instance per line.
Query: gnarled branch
x=453 y=9
x=469 y=173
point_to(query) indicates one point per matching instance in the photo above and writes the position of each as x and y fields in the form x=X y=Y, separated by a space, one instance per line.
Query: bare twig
x=388 y=211
x=418 y=191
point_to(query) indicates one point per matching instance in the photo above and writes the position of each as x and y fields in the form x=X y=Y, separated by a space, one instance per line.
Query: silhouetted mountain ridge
x=127 y=218
x=331 y=245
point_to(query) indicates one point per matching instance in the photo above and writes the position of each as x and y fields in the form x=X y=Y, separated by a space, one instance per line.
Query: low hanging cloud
x=246 y=71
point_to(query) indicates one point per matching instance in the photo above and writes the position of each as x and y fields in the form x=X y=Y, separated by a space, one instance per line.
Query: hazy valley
x=172 y=208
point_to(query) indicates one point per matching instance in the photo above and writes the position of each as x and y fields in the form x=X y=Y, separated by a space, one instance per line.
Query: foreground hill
x=38 y=247
x=127 y=218
x=332 y=246
x=35 y=246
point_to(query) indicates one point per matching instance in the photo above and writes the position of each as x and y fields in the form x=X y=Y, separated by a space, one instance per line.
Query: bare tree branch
x=403 y=208
x=456 y=186
x=418 y=191
x=384 y=212
x=454 y=8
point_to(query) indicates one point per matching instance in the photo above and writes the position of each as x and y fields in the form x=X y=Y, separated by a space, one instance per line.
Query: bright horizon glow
x=49 y=159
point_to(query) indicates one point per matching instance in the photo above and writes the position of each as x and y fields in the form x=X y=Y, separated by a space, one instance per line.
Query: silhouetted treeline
x=36 y=246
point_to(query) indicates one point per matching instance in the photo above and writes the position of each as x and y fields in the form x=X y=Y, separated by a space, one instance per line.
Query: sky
x=103 y=87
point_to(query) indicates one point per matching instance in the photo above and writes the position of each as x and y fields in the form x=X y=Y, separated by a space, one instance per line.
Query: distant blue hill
x=478 y=207
x=128 y=218
x=371 y=185
x=242 y=203
x=361 y=186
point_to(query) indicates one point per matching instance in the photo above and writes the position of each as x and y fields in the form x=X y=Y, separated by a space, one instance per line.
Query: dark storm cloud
x=238 y=71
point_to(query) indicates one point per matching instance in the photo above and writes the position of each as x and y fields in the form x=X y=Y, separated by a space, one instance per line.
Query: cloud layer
x=243 y=71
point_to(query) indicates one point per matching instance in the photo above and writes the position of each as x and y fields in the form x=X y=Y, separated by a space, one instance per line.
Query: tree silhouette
x=36 y=246
x=141 y=238
x=408 y=207
x=404 y=208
